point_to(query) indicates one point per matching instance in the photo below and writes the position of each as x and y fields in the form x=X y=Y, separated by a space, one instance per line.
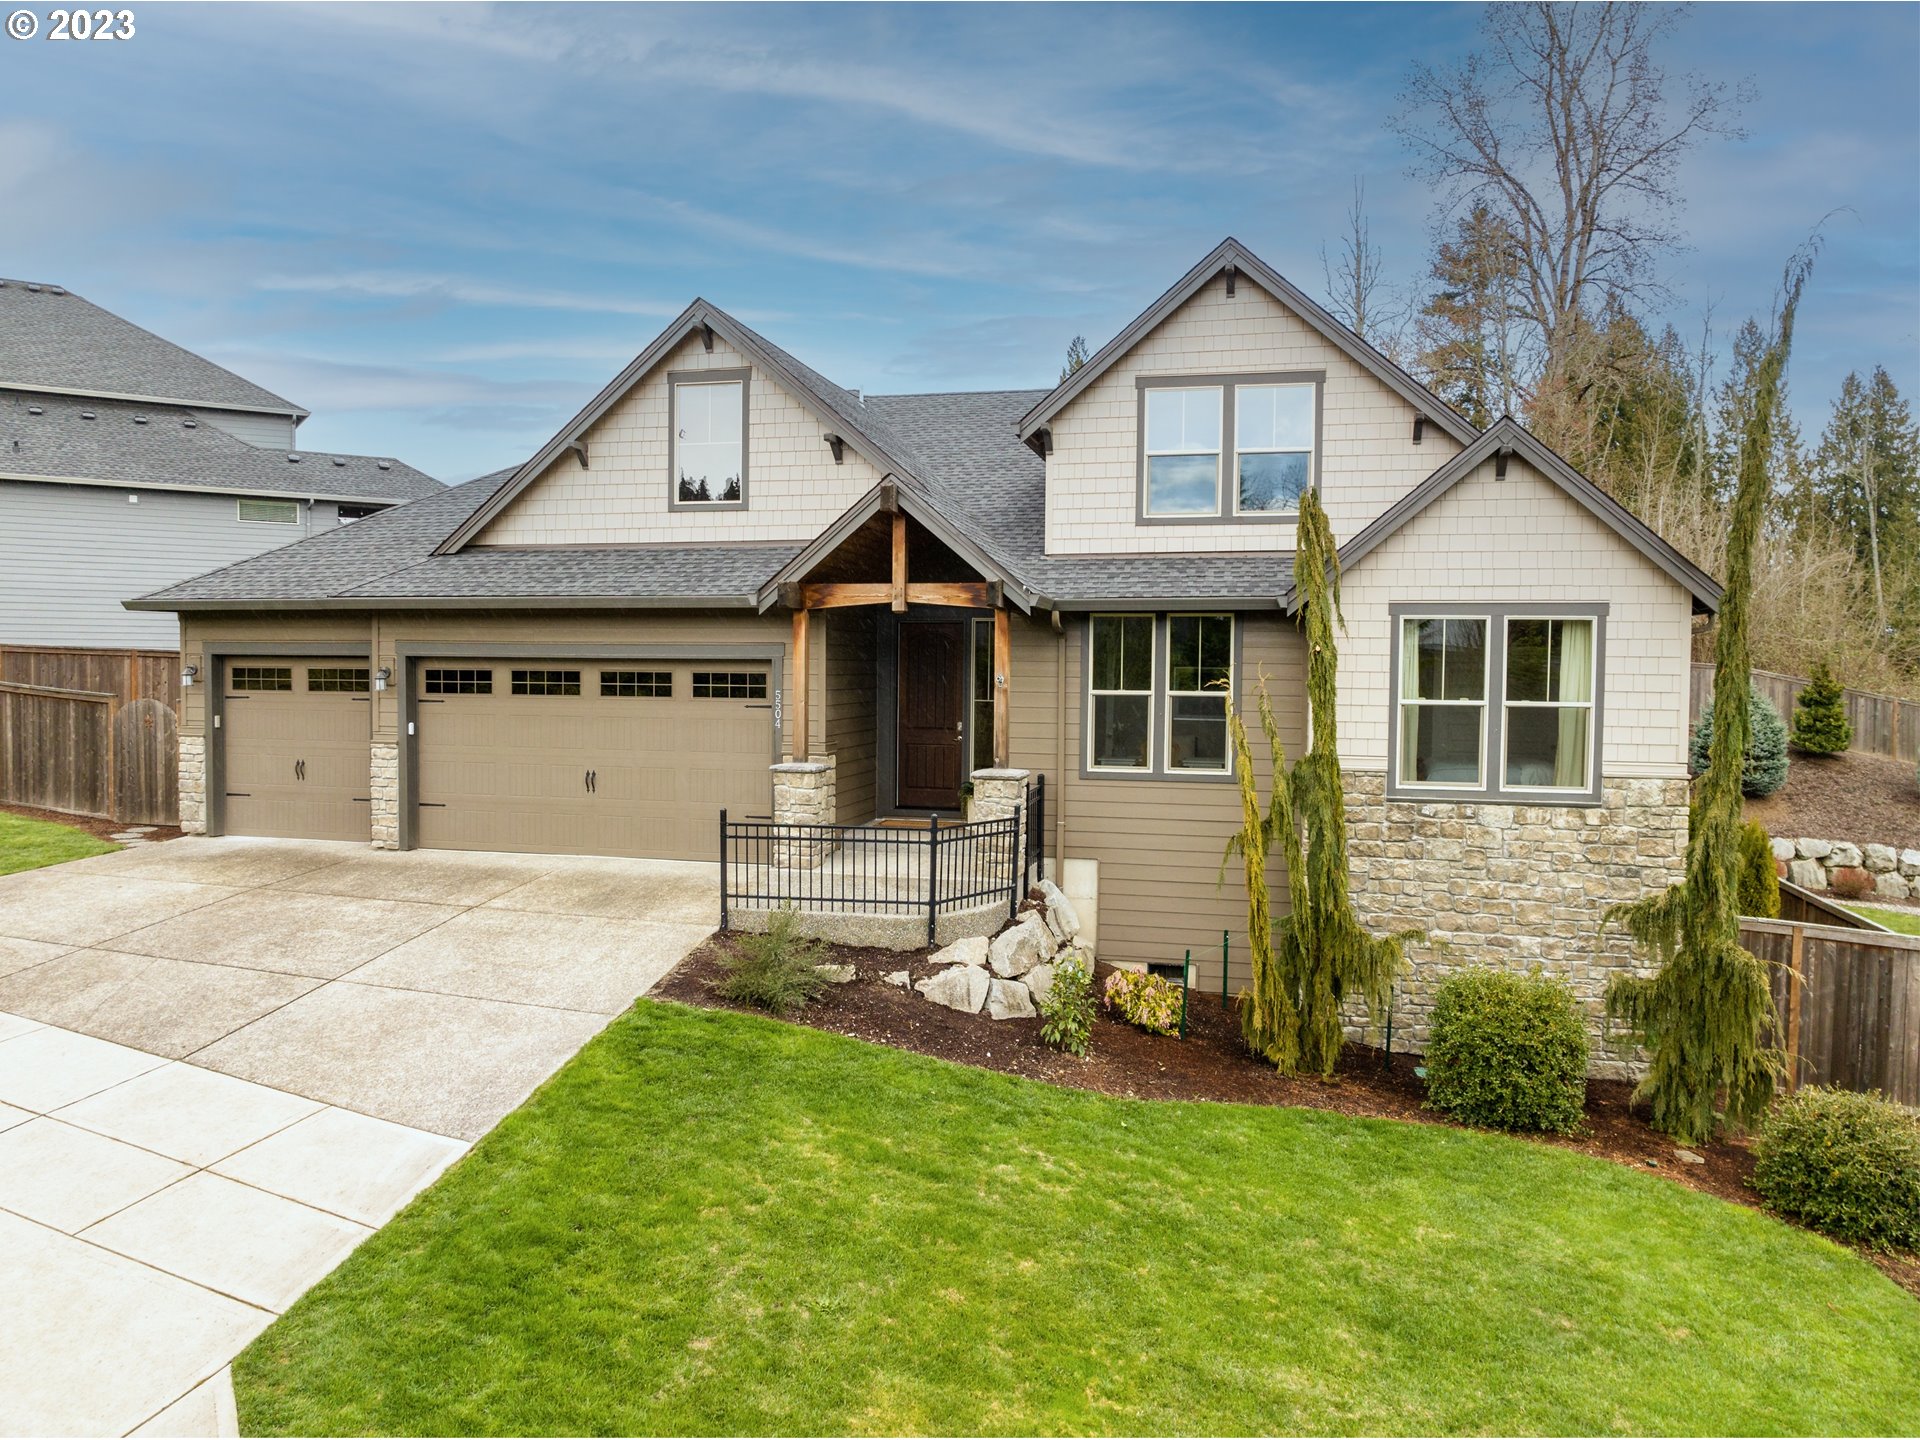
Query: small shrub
x=1820 y=724
x=1759 y=893
x=774 y=971
x=1847 y=1164
x=1766 y=767
x=1066 y=1015
x=1850 y=882
x=1508 y=1052
x=1149 y=1001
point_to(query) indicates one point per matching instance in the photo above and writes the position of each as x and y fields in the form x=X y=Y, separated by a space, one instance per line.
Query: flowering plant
x=1149 y=1001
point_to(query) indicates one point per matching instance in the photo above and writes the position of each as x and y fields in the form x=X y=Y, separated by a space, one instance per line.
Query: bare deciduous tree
x=1359 y=298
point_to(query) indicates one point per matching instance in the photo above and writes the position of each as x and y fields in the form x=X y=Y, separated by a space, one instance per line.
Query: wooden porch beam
x=797 y=686
x=825 y=595
x=1002 y=655
x=899 y=597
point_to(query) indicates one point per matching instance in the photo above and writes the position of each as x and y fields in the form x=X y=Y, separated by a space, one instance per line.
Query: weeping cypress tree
x=1703 y=1012
x=1319 y=955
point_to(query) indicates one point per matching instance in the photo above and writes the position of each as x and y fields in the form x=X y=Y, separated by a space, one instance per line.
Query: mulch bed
x=99 y=829
x=1866 y=799
x=1210 y=1064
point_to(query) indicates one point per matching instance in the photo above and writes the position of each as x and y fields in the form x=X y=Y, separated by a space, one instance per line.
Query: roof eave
x=263 y=492
x=286 y=408
x=730 y=601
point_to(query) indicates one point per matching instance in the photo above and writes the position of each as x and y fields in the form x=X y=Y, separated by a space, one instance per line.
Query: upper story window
x=1498 y=701
x=1227 y=447
x=709 y=438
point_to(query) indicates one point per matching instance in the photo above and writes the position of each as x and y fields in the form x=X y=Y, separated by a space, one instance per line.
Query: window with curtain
x=1443 y=700
x=1183 y=451
x=1548 y=717
x=709 y=442
x=1199 y=684
x=1273 y=444
x=1120 y=682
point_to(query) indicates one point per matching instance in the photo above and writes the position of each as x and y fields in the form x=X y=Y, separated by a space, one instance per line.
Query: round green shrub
x=1845 y=1163
x=1508 y=1052
x=1766 y=767
x=1759 y=893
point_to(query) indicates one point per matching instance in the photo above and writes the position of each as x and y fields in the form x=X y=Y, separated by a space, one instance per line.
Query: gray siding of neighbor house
x=269 y=432
x=69 y=554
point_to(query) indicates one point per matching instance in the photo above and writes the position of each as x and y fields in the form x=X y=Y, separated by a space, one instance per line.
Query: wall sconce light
x=381 y=676
x=190 y=674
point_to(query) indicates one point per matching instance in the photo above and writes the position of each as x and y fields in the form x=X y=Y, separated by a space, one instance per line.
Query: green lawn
x=713 y=1223
x=1907 y=922
x=29 y=844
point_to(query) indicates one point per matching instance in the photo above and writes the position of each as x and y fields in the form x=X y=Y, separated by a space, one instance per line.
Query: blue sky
x=442 y=228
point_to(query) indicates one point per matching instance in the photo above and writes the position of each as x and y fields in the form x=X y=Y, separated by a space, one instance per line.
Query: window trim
x=1165 y=680
x=1157 y=769
x=1226 y=511
x=1484 y=704
x=675 y=379
x=1493 y=738
x=1220 y=452
x=1313 y=447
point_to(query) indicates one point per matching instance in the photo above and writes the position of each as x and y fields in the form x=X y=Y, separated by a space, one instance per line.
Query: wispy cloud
x=401 y=285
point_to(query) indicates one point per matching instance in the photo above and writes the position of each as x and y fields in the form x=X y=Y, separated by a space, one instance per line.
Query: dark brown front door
x=932 y=702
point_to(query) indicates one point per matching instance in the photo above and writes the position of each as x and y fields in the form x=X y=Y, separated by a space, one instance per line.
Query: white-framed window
x=1183 y=430
x=1274 y=444
x=1547 y=729
x=1199 y=689
x=1120 y=660
x=1443 y=701
x=709 y=441
x=268 y=512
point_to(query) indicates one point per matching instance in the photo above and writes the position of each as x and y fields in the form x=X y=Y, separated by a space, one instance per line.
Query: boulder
x=900 y=978
x=1009 y=1000
x=1691 y=1157
x=1019 y=948
x=1843 y=856
x=1807 y=874
x=1039 y=981
x=963 y=988
x=1783 y=850
x=1879 y=858
x=1910 y=864
x=970 y=951
x=1889 y=886
x=1813 y=849
x=1060 y=912
x=836 y=974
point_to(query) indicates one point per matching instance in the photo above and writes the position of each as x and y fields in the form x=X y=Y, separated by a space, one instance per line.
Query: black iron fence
x=932 y=868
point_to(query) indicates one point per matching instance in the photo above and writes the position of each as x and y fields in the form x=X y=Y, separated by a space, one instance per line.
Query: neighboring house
x=127 y=463
x=726 y=559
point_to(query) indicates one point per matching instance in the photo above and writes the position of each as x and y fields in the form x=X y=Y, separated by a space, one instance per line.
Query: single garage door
x=582 y=757
x=295 y=736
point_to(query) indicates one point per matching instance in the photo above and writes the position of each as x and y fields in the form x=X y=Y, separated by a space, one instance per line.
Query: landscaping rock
x=1690 y=1158
x=1017 y=950
x=836 y=974
x=1009 y=1000
x=1892 y=887
x=1879 y=858
x=900 y=978
x=1808 y=874
x=1844 y=856
x=1813 y=849
x=1039 y=981
x=1910 y=864
x=962 y=988
x=1060 y=912
x=1783 y=850
x=970 y=951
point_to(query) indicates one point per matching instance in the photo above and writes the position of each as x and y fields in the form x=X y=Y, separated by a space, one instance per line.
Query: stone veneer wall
x=1512 y=886
x=193 y=784
x=385 y=771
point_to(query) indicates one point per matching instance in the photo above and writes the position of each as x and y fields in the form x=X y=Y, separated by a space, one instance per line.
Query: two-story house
x=726 y=562
x=127 y=462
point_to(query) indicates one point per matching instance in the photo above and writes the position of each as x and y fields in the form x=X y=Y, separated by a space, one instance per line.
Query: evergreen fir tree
x=1820 y=724
x=1704 y=1011
x=1305 y=968
x=1076 y=357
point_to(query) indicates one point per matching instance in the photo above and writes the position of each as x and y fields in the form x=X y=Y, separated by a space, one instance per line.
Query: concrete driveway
x=224 y=1062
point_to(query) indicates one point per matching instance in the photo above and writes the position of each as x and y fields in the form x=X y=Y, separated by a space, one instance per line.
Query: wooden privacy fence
x=1848 y=1003
x=1882 y=724
x=91 y=732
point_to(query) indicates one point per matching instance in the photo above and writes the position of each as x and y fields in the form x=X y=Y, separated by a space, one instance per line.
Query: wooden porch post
x=1002 y=654
x=798 y=685
x=899 y=595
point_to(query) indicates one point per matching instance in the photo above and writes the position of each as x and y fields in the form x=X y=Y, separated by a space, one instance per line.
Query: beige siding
x=1524 y=539
x=1158 y=842
x=848 y=718
x=197 y=630
x=1368 y=458
x=794 y=489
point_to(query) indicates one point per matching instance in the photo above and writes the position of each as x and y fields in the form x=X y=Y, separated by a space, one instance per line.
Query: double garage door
x=553 y=756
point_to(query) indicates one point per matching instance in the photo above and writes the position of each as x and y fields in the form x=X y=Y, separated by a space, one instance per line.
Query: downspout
x=1059 y=750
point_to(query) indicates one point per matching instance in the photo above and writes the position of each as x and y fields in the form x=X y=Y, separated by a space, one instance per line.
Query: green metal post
x=1186 y=979
x=1225 y=936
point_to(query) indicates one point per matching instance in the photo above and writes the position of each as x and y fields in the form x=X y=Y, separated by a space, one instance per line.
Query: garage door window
x=656 y=684
x=337 y=680
x=729 y=685
x=546 y=682
x=263 y=677
x=459 y=682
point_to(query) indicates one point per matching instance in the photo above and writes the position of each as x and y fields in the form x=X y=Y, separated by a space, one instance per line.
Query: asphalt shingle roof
x=128 y=442
x=50 y=337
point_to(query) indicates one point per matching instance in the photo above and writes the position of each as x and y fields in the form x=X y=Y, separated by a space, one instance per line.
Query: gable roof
x=74 y=440
x=1230 y=254
x=51 y=340
x=1508 y=436
x=867 y=434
